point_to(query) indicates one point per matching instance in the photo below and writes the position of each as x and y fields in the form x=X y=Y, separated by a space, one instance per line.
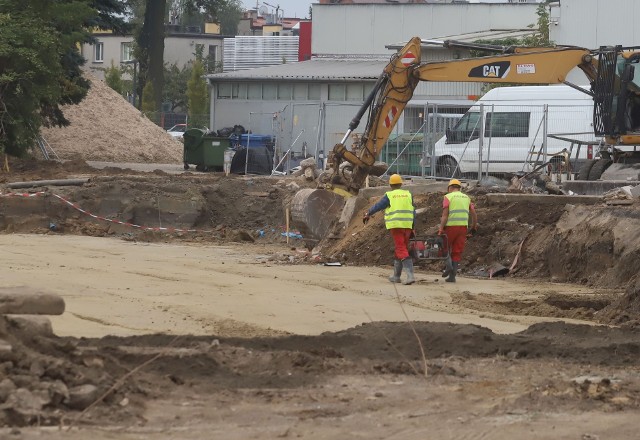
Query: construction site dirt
x=189 y=316
x=192 y=312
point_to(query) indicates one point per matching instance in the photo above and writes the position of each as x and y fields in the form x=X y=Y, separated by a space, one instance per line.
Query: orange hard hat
x=455 y=182
x=395 y=179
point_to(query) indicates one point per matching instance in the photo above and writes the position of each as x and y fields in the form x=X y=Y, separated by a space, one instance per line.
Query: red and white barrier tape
x=110 y=220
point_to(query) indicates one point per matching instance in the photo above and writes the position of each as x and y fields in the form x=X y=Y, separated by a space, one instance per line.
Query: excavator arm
x=405 y=70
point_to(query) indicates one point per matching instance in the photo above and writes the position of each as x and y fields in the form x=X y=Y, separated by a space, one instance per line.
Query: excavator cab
x=617 y=95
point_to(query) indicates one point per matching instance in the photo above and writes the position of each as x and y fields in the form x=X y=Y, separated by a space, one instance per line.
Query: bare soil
x=190 y=316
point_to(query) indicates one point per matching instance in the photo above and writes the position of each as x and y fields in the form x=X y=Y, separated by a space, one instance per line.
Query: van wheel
x=447 y=167
x=598 y=168
x=583 y=174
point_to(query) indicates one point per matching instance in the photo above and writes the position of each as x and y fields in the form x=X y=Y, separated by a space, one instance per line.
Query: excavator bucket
x=315 y=211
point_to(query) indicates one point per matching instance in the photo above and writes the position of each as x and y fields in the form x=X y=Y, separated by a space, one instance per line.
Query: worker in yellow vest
x=399 y=215
x=456 y=210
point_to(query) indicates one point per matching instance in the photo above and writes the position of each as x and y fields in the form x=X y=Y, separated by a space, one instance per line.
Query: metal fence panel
x=504 y=139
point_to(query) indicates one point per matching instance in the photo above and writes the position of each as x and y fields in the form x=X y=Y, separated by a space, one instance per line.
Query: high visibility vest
x=399 y=214
x=458 y=209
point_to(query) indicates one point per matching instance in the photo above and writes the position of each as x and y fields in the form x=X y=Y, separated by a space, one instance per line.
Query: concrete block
x=27 y=301
x=542 y=199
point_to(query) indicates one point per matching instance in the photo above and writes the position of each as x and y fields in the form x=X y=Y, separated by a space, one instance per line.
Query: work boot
x=407 y=264
x=448 y=267
x=454 y=271
x=397 y=271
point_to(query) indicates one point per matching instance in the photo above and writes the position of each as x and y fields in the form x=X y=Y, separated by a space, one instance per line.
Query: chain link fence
x=429 y=141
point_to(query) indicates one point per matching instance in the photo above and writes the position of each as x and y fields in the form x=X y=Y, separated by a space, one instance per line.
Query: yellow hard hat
x=455 y=182
x=395 y=179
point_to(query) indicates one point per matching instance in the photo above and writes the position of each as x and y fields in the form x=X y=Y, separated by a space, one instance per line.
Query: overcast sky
x=291 y=8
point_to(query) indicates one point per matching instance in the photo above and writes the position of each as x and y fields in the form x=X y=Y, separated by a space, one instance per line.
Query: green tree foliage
x=40 y=63
x=39 y=67
x=113 y=78
x=149 y=106
x=175 y=85
x=197 y=95
x=226 y=12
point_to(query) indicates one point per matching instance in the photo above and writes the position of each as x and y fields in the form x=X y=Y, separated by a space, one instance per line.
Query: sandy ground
x=231 y=291
x=236 y=391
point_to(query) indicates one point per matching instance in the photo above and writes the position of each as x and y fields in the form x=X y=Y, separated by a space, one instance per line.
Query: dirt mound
x=49 y=380
x=568 y=243
x=105 y=127
x=46 y=379
x=625 y=311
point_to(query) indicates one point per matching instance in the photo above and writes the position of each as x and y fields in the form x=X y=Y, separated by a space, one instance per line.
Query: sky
x=291 y=8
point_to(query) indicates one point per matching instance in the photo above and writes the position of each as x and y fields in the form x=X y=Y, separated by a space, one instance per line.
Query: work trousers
x=457 y=237
x=401 y=238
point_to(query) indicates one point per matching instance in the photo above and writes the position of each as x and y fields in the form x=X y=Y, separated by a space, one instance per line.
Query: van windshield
x=496 y=124
x=466 y=129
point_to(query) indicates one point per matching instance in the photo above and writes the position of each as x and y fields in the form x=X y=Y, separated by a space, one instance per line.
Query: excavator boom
x=405 y=70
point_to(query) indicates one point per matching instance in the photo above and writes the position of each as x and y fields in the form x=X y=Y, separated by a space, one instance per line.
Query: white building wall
x=595 y=23
x=368 y=28
x=178 y=50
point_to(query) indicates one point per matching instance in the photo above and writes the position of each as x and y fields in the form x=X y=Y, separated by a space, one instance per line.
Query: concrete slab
x=595 y=188
x=543 y=199
x=414 y=188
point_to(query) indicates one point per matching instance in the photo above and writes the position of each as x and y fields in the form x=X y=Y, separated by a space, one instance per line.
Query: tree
x=149 y=106
x=226 y=12
x=149 y=49
x=40 y=63
x=197 y=95
x=175 y=85
x=113 y=78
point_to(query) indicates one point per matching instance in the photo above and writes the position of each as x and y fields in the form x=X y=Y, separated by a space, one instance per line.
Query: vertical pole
x=287 y=221
x=135 y=77
x=545 y=127
x=480 y=140
x=434 y=111
x=246 y=159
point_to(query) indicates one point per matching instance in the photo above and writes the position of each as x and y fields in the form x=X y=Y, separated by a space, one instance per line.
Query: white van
x=514 y=128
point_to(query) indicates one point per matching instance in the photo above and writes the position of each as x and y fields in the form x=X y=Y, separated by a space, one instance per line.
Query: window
x=239 y=91
x=224 y=90
x=254 y=91
x=212 y=53
x=126 y=51
x=269 y=91
x=355 y=92
x=337 y=92
x=507 y=124
x=300 y=92
x=465 y=130
x=98 y=52
x=284 y=91
x=314 y=92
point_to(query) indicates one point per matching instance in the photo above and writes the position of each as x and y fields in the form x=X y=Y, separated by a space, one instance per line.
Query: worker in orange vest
x=456 y=210
x=399 y=215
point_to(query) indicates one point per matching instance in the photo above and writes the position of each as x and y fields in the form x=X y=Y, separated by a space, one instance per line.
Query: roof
x=287 y=23
x=470 y=37
x=343 y=69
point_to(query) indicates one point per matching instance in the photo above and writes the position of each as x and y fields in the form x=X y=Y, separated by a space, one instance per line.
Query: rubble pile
x=45 y=380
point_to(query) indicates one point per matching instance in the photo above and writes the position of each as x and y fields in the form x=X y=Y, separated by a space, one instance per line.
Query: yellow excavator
x=610 y=71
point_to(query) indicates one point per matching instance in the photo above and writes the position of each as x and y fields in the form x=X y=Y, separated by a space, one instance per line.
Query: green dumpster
x=204 y=151
x=409 y=148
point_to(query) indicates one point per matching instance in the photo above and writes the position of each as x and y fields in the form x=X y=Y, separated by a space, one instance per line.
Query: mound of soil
x=625 y=311
x=105 y=127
